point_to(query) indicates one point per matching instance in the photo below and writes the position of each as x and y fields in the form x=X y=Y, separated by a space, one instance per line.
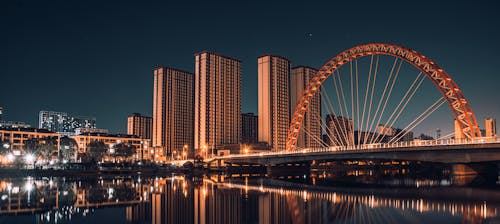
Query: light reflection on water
x=317 y=198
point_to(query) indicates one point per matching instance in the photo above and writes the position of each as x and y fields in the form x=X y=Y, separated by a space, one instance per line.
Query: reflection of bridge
x=404 y=199
x=441 y=151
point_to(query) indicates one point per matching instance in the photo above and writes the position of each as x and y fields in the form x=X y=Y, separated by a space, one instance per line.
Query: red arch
x=448 y=88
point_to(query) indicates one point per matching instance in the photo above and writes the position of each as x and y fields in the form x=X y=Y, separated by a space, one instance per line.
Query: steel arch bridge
x=448 y=88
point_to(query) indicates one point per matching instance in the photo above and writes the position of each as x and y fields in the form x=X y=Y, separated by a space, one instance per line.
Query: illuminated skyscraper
x=139 y=125
x=300 y=77
x=491 y=127
x=274 y=103
x=172 y=112
x=217 y=101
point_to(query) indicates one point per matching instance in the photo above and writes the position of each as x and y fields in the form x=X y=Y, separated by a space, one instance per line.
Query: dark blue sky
x=96 y=57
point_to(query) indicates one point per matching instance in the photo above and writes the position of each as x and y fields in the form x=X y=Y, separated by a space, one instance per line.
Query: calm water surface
x=351 y=197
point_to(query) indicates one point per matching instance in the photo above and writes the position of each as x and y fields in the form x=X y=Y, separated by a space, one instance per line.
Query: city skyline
x=302 y=41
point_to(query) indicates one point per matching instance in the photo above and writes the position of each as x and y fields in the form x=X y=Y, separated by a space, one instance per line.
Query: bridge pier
x=465 y=174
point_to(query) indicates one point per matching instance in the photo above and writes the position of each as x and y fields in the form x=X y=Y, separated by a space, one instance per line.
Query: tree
x=124 y=151
x=68 y=149
x=97 y=150
x=41 y=147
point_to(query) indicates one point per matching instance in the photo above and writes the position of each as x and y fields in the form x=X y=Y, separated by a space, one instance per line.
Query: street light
x=29 y=159
x=10 y=157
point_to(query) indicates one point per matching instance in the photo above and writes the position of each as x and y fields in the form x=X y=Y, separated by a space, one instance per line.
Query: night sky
x=96 y=58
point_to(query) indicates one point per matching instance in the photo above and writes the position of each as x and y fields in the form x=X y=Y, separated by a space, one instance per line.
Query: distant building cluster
x=11 y=124
x=62 y=123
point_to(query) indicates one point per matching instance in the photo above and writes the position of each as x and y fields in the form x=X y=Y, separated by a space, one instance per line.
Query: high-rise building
x=491 y=127
x=300 y=77
x=62 y=123
x=249 y=127
x=340 y=130
x=139 y=125
x=217 y=101
x=172 y=113
x=274 y=103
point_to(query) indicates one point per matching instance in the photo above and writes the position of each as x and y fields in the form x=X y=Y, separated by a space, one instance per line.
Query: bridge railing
x=375 y=146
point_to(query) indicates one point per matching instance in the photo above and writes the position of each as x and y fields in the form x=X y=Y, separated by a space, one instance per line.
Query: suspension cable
x=371 y=99
x=382 y=97
x=404 y=99
x=366 y=94
x=390 y=91
x=420 y=118
x=330 y=105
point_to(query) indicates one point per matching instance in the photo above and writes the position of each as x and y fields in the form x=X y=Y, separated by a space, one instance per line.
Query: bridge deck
x=469 y=152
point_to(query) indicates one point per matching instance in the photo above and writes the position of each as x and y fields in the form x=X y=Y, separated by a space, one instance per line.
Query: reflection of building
x=340 y=130
x=110 y=140
x=299 y=79
x=172 y=202
x=139 y=125
x=17 y=137
x=138 y=213
x=172 y=111
x=217 y=101
x=491 y=127
x=63 y=123
x=274 y=104
x=249 y=127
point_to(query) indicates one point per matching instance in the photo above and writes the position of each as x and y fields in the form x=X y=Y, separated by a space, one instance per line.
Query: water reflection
x=317 y=198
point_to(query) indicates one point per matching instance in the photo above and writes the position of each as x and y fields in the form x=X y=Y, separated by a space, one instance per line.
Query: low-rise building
x=142 y=150
x=16 y=138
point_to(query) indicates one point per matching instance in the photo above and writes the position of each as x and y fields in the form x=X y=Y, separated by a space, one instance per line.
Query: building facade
x=16 y=138
x=139 y=125
x=299 y=78
x=173 y=103
x=274 y=103
x=491 y=127
x=217 y=101
x=142 y=149
x=249 y=128
x=62 y=123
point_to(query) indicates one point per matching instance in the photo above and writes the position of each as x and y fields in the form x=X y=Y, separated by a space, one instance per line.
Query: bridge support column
x=288 y=169
x=465 y=174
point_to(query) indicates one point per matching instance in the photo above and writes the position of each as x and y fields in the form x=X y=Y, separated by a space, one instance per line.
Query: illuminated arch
x=448 y=88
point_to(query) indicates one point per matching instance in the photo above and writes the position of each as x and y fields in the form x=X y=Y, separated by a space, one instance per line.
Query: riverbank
x=12 y=172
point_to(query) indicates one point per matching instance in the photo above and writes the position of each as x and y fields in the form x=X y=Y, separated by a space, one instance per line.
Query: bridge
x=438 y=151
x=363 y=127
